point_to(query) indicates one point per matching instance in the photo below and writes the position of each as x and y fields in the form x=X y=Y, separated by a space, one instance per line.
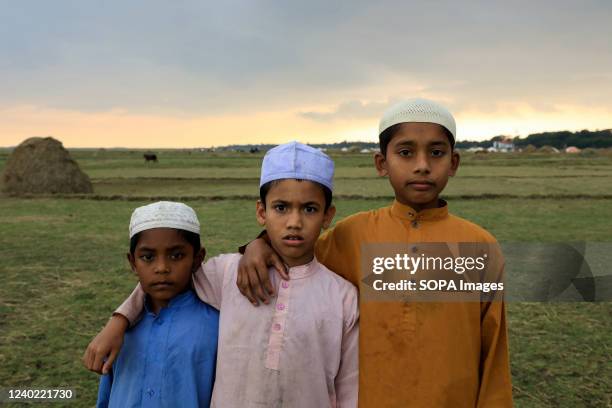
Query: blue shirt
x=167 y=360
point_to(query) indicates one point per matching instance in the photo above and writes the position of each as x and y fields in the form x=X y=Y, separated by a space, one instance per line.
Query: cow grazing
x=150 y=157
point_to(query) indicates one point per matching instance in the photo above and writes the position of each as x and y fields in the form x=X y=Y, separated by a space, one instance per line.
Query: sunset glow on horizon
x=159 y=75
x=118 y=128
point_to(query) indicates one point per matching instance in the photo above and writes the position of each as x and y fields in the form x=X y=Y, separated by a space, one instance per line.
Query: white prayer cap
x=164 y=214
x=418 y=110
x=295 y=160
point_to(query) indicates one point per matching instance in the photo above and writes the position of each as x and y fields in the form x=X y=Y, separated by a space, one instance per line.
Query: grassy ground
x=64 y=270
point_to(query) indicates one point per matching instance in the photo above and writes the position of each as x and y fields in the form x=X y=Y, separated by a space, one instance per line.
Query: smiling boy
x=412 y=354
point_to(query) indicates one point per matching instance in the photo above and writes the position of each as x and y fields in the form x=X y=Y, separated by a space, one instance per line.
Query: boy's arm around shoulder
x=347 y=379
x=104 y=348
x=339 y=247
x=210 y=279
x=132 y=307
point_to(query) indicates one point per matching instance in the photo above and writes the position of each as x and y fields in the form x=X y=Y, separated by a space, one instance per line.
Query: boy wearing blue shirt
x=168 y=358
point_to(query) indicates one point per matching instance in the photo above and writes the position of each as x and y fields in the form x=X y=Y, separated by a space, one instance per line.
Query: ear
x=260 y=212
x=198 y=259
x=329 y=216
x=455 y=159
x=132 y=262
x=380 y=162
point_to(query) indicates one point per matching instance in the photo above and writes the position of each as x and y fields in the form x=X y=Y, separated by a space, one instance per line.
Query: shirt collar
x=303 y=271
x=429 y=214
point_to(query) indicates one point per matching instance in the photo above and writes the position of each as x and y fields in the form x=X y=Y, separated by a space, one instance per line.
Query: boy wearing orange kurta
x=414 y=354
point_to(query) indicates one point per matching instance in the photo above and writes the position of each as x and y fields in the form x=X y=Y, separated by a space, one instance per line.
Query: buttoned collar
x=303 y=271
x=408 y=213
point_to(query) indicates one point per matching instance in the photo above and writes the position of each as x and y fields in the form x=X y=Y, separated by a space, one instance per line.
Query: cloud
x=327 y=61
x=348 y=110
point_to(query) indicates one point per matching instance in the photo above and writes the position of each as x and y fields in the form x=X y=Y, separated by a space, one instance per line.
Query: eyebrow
x=412 y=143
x=311 y=203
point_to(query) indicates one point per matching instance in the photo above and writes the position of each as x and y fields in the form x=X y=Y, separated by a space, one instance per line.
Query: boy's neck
x=157 y=305
x=292 y=262
x=418 y=207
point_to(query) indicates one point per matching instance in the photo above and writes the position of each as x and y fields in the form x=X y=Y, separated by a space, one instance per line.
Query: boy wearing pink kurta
x=302 y=349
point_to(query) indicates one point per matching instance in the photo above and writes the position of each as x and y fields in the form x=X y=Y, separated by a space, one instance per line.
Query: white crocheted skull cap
x=418 y=110
x=164 y=214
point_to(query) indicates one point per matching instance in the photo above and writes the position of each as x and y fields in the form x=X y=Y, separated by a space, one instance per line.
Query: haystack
x=530 y=149
x=548 y=149
x=41 y=165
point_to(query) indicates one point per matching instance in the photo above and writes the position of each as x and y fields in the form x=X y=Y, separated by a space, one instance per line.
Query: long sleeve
x=106 y=383
x=207 y=282
x=347 y=379
x=133 y=306
x=495 y=383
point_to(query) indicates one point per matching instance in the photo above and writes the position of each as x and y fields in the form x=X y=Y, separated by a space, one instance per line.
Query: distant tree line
x=560 y=140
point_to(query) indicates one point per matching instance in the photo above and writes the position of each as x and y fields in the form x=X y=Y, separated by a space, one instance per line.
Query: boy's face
x=419 y=161
x=293 y=215
x=164 y=262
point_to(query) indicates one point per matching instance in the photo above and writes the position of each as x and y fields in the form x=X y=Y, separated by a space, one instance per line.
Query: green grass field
x=63 y=259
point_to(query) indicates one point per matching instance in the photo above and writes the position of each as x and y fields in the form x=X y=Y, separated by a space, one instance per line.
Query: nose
x=162 y=265
x=294 y=221
x=422 y=165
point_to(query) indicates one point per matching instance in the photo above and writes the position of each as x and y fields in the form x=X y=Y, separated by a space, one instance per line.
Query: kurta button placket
x=276 y=339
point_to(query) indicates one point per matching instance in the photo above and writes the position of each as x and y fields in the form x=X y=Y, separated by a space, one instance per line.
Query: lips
x=162 y=285
x=293 y=240
x=421 y=185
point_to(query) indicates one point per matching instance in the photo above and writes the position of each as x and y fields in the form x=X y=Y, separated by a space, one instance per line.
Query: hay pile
x=530 y=149
x=42 y=166
x=548 y=149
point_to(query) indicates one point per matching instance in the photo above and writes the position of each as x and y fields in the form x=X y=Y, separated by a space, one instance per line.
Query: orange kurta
x=421 y=354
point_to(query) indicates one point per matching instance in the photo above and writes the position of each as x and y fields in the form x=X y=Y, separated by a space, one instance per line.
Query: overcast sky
x=196 y=73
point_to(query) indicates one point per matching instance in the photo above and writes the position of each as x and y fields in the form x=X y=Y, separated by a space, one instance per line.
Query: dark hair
x=191 y=237
x=385 y=137
x=263 y=192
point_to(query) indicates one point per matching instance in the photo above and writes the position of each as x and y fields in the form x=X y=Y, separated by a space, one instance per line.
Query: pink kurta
x=299 y=351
